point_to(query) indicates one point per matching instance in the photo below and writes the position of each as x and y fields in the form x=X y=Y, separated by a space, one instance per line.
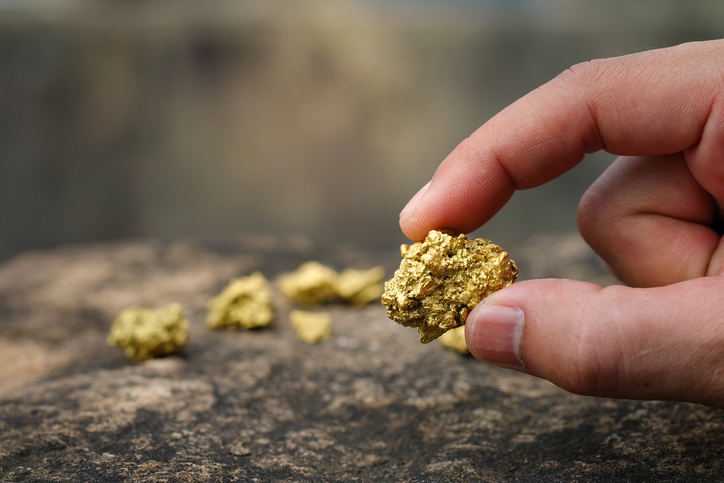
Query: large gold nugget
x=441 y=279
x=245 y=303
x=143 y=333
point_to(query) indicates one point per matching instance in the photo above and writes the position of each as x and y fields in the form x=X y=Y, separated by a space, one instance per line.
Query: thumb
x=637 y=343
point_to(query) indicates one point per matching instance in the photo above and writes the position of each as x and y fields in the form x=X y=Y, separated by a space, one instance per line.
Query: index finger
x=646 y=104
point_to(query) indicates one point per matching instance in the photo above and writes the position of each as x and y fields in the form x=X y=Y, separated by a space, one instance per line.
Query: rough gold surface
x=455 y=340
x=360 y=287
x=441 y=279
x=245 y=303
x=144 y=333
x=311 y=284
x=311 y=327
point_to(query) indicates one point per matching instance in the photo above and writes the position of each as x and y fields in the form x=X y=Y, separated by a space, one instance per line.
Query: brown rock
x=370 y=404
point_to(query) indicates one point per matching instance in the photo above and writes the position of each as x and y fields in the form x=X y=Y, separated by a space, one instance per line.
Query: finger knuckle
x=584 y=74
x=588 y=214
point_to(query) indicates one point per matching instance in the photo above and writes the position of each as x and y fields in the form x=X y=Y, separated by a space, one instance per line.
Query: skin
x=652 y=216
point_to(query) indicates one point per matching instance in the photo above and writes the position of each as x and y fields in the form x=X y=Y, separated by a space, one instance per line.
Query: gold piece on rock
x=311 y=327
x=360 y=287
x=312 y=284
x=455 y=340
x=441 y=279
x=245 y=303
x=144 y=333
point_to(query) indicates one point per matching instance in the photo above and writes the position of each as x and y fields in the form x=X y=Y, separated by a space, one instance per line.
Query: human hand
x=650 y=216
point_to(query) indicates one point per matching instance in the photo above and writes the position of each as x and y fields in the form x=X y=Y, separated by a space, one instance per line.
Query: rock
x=369 y=404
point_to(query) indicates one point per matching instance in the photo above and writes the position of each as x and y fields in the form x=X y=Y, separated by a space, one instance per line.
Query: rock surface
x=369 y=404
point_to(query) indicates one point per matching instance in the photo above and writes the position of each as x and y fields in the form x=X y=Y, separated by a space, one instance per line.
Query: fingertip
x=408 y=227
x=412 y=204
x=408 y=216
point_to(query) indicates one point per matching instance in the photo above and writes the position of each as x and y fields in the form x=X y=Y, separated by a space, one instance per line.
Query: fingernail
x=410 y=206
x=493 y=334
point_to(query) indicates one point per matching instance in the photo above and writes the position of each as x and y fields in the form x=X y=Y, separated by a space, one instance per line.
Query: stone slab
x=369 y=404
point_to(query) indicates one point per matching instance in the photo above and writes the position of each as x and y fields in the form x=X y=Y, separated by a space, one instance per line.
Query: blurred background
x=318 y=118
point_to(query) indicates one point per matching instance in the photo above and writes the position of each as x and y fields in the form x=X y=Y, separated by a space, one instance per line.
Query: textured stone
x=370 y=404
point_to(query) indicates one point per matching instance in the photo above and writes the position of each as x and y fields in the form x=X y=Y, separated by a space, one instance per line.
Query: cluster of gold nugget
x=247 y=303
x=441 y=279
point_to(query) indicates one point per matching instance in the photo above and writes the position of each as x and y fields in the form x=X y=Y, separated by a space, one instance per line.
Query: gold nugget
x=143 y=333
x=245 y=303
x=311 y=327
x=455 y=340
x=312 y=284
x=441 y=279
x=360 y=287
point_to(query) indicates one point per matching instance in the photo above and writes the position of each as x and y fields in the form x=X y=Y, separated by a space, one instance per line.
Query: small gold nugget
x=311 y=327
x=143 y=333
x=455 y=340
x=315 y=284
x=360 y=287
x=312 y=284
x=441 y=279
x=245 y=303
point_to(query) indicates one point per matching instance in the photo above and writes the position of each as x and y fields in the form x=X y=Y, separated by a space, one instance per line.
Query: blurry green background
x=290 y=117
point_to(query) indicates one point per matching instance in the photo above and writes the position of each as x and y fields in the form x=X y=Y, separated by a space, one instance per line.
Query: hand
x=650 y=216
